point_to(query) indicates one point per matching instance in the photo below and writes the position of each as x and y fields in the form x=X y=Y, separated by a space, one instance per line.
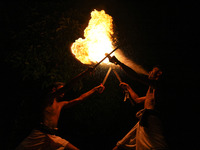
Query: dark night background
x=35 y=51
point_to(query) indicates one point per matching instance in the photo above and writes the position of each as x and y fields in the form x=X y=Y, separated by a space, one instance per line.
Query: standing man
x=147 y=133
x=43 y=137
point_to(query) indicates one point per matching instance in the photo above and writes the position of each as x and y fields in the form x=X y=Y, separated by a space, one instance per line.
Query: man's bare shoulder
x=63 y=103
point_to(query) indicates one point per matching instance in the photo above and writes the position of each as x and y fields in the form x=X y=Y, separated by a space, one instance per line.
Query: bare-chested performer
x=43 y=137
x=147 y=133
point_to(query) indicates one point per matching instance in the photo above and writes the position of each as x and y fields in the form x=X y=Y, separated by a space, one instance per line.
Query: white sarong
x=38 y=140
x=146 y=136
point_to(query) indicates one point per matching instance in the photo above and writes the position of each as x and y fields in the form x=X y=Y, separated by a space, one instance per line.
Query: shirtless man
x=147 y=133
x=43 y=137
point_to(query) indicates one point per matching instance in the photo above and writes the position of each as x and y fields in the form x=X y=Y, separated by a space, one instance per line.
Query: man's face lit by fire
x=57 y=88
x=155 y=73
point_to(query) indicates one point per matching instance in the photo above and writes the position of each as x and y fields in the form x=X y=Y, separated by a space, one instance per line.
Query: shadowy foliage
x=41 y=48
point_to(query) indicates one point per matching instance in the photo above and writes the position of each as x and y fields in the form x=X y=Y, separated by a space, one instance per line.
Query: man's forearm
x=136 y=76
x=79 y=99
x=134 y=96
x=87 y=94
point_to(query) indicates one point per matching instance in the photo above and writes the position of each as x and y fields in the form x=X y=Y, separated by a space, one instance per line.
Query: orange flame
x=98 y=39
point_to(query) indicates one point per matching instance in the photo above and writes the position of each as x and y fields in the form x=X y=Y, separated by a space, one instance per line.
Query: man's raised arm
x=132 y=73
x=133 y=95
x=84 y=96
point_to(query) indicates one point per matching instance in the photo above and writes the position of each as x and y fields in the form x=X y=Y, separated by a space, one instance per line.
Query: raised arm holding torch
x=132 y=73
x=69 y=85
x=127 y=94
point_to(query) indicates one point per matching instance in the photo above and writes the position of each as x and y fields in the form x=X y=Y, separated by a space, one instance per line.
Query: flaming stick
x=96 y=42
x=127 y=94
x=118 y=77
x=82 y=74
x=104 y=80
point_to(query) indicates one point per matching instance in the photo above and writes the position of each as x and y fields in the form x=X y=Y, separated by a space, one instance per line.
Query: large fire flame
x=98 y=39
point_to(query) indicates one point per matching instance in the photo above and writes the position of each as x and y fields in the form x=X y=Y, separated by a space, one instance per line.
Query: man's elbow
x=139 y=100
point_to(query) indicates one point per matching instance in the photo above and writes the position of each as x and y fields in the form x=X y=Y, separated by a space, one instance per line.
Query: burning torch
x=135 y=76
x=127 y=94
x=106 y=77
x=69 y=85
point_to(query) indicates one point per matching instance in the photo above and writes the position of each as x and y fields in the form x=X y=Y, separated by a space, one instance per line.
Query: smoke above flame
x=97 y=41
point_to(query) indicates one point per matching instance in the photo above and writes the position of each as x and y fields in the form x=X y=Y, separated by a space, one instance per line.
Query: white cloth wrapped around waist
x=146 y=134
x=38 y=140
